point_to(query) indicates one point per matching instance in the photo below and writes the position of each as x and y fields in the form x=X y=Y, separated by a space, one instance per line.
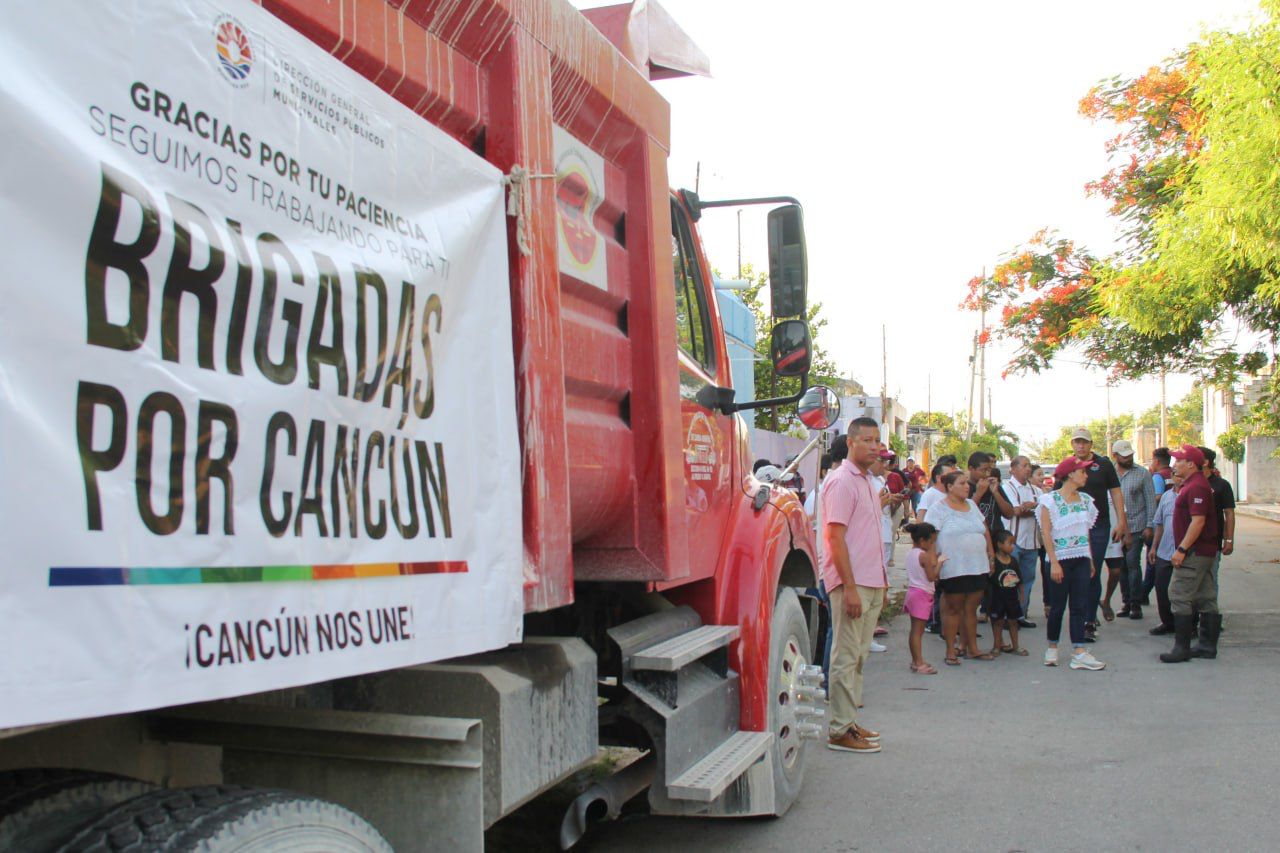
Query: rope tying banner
x=517 y=184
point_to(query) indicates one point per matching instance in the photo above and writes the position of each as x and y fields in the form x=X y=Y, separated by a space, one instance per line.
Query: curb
x=1268 y=513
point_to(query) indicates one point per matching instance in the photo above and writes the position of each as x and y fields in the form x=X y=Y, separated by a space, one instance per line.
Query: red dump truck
x=368 y=450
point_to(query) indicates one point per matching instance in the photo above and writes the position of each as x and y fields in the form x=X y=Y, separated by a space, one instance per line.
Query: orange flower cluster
x=1045 y=292
x=1159 y=126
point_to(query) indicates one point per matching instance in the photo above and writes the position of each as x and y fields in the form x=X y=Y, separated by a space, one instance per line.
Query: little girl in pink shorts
x=923 y=565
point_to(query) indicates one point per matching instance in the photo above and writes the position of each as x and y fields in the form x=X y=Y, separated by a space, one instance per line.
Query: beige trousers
x=850 y=645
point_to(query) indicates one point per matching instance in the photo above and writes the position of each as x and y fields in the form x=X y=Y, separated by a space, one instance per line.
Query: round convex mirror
x=819 y=407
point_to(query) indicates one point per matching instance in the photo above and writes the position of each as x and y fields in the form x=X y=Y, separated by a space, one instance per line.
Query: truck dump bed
x=533 y=85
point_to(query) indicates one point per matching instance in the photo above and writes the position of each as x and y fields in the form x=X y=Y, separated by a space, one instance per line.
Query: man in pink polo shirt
x=854 y=575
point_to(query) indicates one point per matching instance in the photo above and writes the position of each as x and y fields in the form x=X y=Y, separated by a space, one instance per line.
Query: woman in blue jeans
x=1066 y=517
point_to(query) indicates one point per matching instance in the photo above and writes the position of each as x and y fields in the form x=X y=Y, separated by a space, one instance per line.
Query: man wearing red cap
x=1195 y=530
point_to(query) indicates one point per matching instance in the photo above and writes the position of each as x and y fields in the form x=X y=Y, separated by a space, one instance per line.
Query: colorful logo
x=235 y=53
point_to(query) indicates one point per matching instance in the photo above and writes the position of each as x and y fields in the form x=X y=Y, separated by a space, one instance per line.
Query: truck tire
x=223 y=819
x=788 y=649
x=41 y=807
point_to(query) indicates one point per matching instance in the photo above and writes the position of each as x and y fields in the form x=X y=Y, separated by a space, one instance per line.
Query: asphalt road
x=1011 y=755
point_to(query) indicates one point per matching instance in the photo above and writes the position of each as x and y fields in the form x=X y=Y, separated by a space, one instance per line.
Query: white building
x=1257 y=478
x=892 y=417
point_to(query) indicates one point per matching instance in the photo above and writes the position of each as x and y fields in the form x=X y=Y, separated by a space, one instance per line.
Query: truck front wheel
x=228 y=819
x=788 y=651
x=40 y=806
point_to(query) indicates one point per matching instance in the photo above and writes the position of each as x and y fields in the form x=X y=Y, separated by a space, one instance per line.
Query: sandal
x=924 y=669
x=951 y=661
x=984 y=656
x=1007 y=649
x=1107 y=612
x=1019 y=651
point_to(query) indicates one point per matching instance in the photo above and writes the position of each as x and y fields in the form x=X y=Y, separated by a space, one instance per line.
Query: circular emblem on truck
x=575 y=196
x=235 y=53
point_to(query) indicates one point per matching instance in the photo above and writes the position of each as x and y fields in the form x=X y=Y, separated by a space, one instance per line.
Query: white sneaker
x=1084 y=660
x=1050 y=657
x=878 y=647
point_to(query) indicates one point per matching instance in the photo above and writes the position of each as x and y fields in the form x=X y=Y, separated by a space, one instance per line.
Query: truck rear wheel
x=40 y=807
x=227 y=819
x=788 y=651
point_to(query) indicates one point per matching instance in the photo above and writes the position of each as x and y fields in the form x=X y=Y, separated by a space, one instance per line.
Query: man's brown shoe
x=865 y=734
x=850 y=742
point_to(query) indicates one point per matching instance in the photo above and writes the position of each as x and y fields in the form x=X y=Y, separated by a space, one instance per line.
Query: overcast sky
x=924 y=140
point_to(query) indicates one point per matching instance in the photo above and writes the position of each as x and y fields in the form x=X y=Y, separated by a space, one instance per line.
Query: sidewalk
x=1271 y=512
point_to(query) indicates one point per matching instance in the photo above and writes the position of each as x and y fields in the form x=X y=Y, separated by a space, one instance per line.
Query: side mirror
x=788 y=262
x=790 y=348
x=819 y=407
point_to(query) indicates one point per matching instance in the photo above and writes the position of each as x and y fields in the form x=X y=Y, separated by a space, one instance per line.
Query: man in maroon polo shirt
x=1195 y=530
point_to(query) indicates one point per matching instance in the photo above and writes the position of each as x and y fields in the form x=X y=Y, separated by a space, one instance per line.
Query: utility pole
x=973 y=367
x=991 y=415
x=1107 y=448
x=982 y=355
x=739 y=242
x=1164 y=416
x=884 y=383
x=697 y=176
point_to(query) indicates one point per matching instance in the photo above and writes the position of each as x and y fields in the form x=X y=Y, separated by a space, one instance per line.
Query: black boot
x=1135 y=612
x=1210 y=627
x=1181 y=650
x=1160 y=630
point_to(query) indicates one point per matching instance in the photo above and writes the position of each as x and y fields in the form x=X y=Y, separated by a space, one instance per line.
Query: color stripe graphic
x=163 y=576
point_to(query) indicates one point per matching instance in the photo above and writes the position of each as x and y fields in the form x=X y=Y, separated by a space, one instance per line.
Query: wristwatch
x=1182 y=550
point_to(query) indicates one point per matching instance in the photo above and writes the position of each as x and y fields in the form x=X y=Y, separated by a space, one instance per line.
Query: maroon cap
x=1070 y=464
x=886 y=454
x=1191 y=453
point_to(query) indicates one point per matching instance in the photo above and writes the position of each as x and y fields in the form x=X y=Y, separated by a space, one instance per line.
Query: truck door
x=705 y=432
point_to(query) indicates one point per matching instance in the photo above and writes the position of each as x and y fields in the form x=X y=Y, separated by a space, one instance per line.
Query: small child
x=1006 y=597
x=923 y=565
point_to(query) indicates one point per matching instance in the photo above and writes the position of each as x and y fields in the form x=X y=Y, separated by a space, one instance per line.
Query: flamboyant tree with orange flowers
x=1195 y=189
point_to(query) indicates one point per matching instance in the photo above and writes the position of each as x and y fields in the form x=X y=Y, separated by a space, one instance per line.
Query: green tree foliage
x=1186 y=426
x=1232 y=443
x=823 y=370
x=994 y=439
x=1196 y=192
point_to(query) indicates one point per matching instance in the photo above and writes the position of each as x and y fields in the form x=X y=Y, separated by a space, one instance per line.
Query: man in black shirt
x=1102 y=481
x=1224 y=501
x=984 y=490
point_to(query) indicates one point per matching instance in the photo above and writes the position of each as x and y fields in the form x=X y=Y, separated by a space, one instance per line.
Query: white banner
x=257 y=405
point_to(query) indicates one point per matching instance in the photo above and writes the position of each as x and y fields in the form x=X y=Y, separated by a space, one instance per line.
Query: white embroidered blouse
x=1069 y=523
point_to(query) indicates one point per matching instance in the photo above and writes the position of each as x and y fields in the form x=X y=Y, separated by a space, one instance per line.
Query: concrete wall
x=1260 y=477
x=778 y=448
x=1257 y=479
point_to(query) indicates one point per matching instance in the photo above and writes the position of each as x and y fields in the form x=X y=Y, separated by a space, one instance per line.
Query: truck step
x=683 y=649
x=708 y=779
